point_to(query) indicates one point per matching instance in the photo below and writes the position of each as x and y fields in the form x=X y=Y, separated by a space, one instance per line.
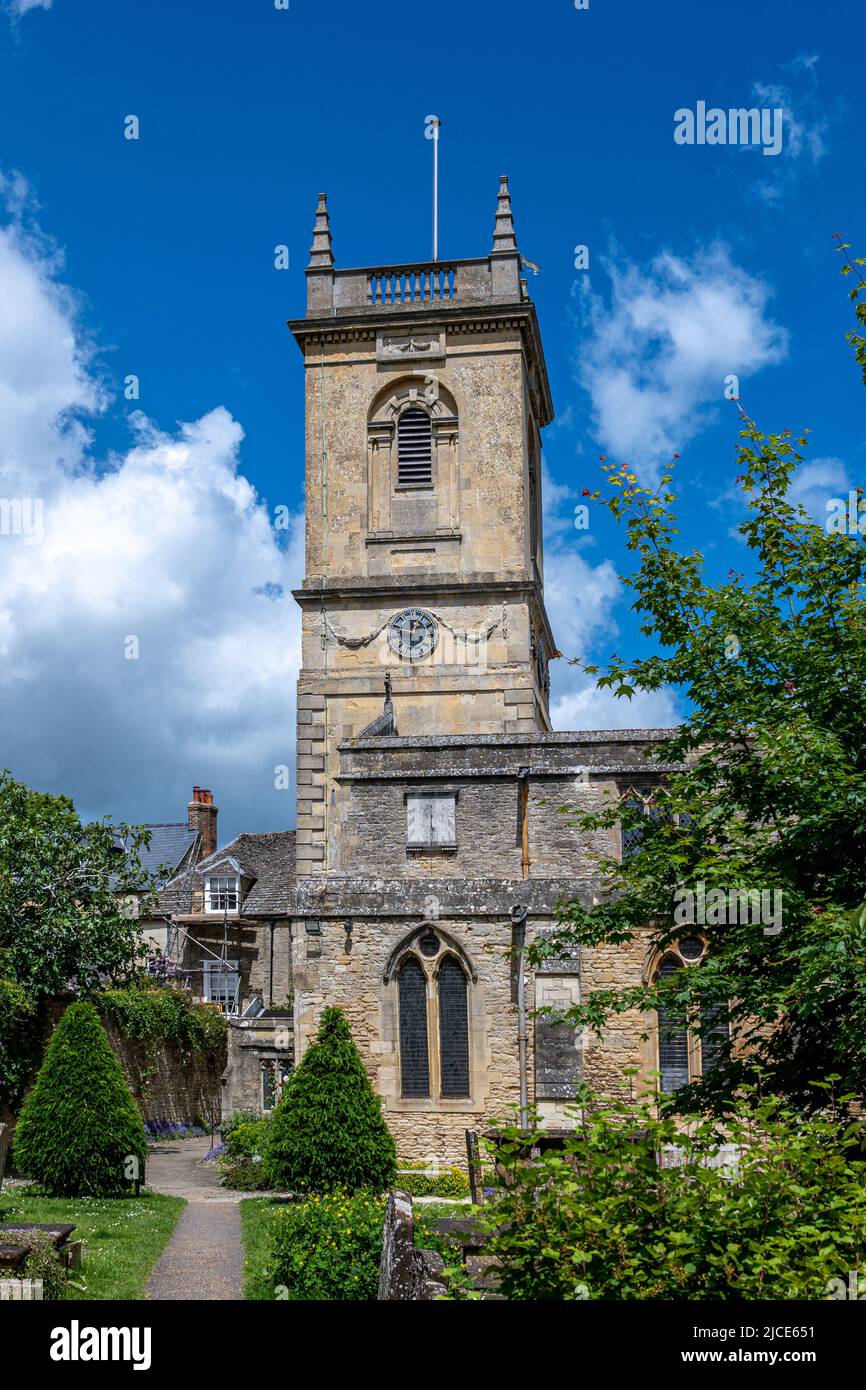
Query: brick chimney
x=202 y=815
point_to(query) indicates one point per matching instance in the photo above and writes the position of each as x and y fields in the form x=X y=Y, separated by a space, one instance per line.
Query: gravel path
x=204 y=1258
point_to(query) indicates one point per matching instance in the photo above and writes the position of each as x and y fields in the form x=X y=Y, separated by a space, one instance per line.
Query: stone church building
x=430 y=833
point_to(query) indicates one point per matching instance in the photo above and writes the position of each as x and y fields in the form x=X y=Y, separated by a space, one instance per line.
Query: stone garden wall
x=167 y=1084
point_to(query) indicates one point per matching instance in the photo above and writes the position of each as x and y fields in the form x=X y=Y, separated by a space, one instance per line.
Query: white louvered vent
x=414 y=448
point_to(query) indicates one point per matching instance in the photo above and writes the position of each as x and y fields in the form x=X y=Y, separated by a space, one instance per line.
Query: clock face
x=413 y=633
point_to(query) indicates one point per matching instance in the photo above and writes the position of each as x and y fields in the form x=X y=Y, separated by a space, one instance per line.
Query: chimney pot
x=202 y=816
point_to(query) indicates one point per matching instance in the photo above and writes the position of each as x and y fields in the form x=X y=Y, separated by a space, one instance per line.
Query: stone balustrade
x=412 y=286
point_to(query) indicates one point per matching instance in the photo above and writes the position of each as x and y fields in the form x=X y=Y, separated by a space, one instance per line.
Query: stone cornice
x=363 y=323
x=485 y=586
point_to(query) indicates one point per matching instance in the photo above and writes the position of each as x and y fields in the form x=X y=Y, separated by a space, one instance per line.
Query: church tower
x=426 y=394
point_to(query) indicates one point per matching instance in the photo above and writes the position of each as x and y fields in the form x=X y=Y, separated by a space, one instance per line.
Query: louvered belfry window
x=453 y=1029
x=673 y=1039
x=414 y=448
x=414 y=1057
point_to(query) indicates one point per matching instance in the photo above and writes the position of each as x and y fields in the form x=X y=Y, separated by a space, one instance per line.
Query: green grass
x=256 y=1215
x=123 y=1237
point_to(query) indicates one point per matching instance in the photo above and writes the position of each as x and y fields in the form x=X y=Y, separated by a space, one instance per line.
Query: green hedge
x=448 y=1182
x=19 y=1038
x=242 y=1165
x=155 y=1014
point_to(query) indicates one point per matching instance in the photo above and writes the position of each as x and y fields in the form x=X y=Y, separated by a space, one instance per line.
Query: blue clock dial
x=413 y=633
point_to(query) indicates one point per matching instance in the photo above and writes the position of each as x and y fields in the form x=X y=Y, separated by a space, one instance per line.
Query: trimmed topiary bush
x=79 y=1133
x=327 y=1133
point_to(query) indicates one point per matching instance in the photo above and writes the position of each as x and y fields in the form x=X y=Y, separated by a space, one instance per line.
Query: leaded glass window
x=632 y=835
x=414 y=1055
x=453 y=1029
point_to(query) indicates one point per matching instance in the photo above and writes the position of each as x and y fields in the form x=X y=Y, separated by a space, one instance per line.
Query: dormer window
x=221 y=893
x=414 y=448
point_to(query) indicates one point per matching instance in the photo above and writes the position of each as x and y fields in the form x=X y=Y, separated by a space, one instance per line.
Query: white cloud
x=654 y=360
x=17 y=8
x=805 y=128
x=812 y=486
x=580 y=600
x=168 y=543
x=816 y=482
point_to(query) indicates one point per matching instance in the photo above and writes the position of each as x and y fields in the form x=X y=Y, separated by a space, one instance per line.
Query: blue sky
x=156 y=257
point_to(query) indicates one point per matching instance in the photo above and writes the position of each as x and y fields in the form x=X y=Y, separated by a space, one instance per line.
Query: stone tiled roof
x=267 y=859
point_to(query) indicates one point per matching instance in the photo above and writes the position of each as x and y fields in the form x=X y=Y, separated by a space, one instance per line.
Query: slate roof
x=268 y=859
x=169 y=844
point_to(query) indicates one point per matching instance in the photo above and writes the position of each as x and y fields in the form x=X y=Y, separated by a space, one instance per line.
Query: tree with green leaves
x=79 y=1133
x=770 y=791
x=63 y=923
x=328 y=1132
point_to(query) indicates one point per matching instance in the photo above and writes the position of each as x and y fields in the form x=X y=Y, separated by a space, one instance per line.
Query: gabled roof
x=268 y=860
x=215 y=861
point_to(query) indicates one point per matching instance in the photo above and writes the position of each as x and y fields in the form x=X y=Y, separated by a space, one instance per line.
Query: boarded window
x=414 y=448
x=453 y=1029
x=431 y=821
x=673 y=1039
x=414 y=1058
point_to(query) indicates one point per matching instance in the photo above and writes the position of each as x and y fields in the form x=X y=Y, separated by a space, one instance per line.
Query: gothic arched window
x=414 y=1052
x=433 y=979
x=414 y=448
x=684 y=1053
x=453 y=1029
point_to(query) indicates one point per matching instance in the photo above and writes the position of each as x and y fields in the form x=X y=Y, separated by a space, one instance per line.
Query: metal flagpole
x=432 y=133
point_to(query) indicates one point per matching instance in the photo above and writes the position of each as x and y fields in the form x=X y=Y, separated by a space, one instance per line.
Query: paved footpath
x=204 y=1258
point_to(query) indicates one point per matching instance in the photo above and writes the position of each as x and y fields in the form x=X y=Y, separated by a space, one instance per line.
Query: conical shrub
x=79 y=1133
x=328 y=1131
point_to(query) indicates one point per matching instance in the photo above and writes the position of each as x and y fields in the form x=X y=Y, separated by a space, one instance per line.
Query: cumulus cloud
x=816 y=482
x=813 y=487
x=148 y=639
x=581 y=598
x=654 y=360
